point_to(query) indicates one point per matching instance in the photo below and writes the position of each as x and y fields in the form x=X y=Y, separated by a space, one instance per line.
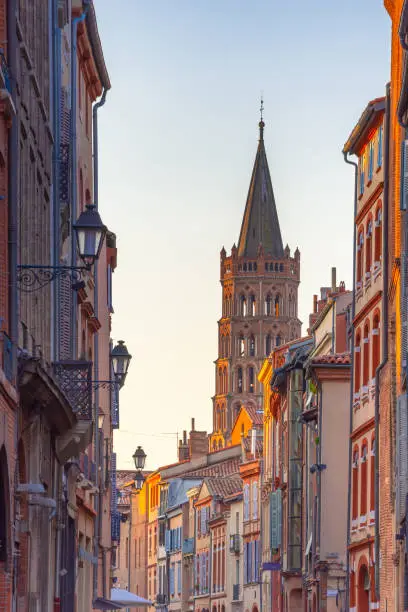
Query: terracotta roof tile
x=258 y=445
x=337 y=359
x=255 y=417
x=222 y=469
x=224 y=487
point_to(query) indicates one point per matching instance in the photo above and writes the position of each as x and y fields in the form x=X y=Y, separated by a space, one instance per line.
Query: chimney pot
x=193 y=424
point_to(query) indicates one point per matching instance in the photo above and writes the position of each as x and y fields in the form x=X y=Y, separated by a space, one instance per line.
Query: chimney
x=315 y=304
x=253 y=443
x=193 y=424
x=333 y=282
x=183 y=449
x=198 y=443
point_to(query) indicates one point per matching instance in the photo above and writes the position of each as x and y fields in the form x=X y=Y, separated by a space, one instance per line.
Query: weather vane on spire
x=262 y=108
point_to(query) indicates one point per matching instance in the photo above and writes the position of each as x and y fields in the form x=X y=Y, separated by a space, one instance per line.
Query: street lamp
x=120 y=358
x=139 y=457
x=90 y=233
x=139 y=480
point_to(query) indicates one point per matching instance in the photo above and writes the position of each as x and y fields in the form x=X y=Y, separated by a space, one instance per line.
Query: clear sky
x=178 y=136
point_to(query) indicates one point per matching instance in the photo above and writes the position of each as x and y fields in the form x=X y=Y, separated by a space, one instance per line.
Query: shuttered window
x=380 y=146
x=255 y=500
x=371 y=160
x=276 y=518
x=246 y=502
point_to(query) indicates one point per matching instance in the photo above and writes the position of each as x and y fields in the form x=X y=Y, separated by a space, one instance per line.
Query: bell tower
x=259 y=281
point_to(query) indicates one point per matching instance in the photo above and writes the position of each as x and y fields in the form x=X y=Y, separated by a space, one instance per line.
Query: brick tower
x=259 y=282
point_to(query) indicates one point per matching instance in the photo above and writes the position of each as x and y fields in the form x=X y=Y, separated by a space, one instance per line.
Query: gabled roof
x=226 y=468
x=260 y=225
x=369 y=120
x=177 y=492
x=332 y=359
x=224 y=487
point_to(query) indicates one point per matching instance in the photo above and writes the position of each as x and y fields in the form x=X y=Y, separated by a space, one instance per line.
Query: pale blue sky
x=178 y=137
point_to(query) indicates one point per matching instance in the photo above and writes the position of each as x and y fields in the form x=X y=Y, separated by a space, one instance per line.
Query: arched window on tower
x=220 y=381
x=268 y=344
x=241 y=346
x=251 y=379
x=252 y=345
x=239 y=380
x=357 y=362
x=363 y=500
x=378 y=236
x=243 y=306
x=278 y=340
x=354 y=512
x=277 y=306
x=375 y=344
x=268 y=305
x=368 y=247
x=366 y=354
x=290 y=305
x=225 y=377
x=252 y=305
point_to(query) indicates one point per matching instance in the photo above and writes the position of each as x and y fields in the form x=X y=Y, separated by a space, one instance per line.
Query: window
x=268 y=305
x=241 y=346
x=360 y=243
x=252 y=346
x=357 y=362
x=371 y=160
x=355 y=485
x=179 y=577
x=378 y=235
x=362 y=172
x=239 y=380
x=363 y=501
x=368 y=248
x=375 y=344
x=379 y=146
x=243 y=306
x=366 y=354
x=252 y=305
x=278 y=340
x=255 y=500
x=251 y=379
x=277 y=306
x=372 y=476
x=246 y=502
x=172 y=579
x=268 y=344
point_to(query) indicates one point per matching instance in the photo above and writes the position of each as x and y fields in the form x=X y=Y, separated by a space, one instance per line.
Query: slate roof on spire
x=260 y=224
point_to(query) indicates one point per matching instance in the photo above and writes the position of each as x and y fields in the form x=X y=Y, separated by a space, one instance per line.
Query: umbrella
x=128 y=599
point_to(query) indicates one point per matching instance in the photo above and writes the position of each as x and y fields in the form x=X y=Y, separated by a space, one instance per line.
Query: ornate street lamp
x=139 y=457
x=139 y=480
x=90 y=233
x=120 y=358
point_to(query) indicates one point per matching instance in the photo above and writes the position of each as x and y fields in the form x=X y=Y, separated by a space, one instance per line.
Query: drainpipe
x=98 y=498
x=384 y=344
x=353 y=312
x=74 y=161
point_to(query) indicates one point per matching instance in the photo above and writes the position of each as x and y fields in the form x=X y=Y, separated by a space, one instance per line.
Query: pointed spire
x=260 y=224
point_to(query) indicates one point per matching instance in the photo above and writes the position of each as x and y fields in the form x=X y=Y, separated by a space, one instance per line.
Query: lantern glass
x=139 y=480
x=139 y=457
x=120 y=357
x=90 y=233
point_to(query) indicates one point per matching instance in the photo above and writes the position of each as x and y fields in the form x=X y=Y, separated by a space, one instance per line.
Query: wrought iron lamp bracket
x=33 y=278
x=105 y=384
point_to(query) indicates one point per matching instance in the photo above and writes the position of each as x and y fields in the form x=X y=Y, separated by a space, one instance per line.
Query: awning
x=126 y=599
x=105 y=604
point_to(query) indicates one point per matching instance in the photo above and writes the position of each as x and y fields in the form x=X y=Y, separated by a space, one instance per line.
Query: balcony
x=75 y=380
x=188 y=546
x=235 y=543
x=236 y=591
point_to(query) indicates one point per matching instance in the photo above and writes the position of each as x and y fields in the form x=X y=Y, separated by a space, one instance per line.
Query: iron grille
x=64 y=173
x=235 y=592
x=75 y=380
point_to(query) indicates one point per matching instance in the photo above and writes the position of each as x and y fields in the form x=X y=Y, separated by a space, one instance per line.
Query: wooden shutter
x=402 y=456
x=255 y=499
x=404 y=181
x=246 y=502
x=380 y=146
x=275 y=508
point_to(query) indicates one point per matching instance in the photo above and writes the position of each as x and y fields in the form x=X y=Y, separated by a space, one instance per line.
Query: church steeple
x=260 y=224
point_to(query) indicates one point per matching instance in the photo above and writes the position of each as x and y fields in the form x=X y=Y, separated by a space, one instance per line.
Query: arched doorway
x=363 y=596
